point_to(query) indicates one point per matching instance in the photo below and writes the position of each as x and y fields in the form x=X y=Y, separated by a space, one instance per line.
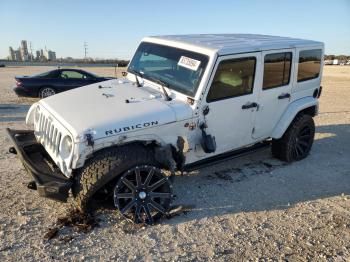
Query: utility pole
x=85 y=49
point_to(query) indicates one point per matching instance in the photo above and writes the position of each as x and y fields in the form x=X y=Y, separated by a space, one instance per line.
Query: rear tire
x=105 y=168
x=46 y=92
x=296 y=142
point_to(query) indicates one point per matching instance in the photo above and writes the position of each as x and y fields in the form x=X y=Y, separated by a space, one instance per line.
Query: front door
x=232 y=100
x=275 y=93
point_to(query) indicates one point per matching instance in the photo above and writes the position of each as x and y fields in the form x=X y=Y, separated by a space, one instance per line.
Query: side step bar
x=226 y=156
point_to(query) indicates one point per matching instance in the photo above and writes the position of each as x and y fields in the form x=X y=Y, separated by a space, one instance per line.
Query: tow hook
x=13 y=150
x=32 y=185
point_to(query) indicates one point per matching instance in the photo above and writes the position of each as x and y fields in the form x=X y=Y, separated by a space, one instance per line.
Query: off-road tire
x=284 y=148
x=105 y=167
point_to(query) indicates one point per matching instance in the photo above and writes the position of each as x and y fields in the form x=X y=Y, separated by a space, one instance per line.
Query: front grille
x=49 y=135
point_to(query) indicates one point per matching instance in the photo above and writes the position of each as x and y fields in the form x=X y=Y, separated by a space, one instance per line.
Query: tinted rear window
x=277 y=70
x=309 y=64
x=49 y=74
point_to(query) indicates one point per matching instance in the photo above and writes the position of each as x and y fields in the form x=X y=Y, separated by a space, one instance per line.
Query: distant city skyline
x=114 y=30
x=24 y=54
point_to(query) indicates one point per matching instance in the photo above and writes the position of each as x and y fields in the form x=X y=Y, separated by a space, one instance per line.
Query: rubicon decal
x=130 y=128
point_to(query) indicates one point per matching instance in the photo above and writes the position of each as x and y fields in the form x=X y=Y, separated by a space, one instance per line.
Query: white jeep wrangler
x=186 y=100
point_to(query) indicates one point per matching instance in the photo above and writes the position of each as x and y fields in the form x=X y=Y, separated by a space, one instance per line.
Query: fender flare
x=288 y=116
x=164 y=148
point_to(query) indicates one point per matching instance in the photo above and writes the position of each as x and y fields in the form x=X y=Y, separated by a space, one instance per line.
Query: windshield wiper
x=162 y=84
x=136 y=75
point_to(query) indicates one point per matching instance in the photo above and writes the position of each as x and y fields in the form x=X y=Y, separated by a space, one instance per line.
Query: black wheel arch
x=311 y=111
x=167 y=156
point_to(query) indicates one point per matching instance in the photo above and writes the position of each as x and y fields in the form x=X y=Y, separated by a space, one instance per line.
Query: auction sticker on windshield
x=189 y=63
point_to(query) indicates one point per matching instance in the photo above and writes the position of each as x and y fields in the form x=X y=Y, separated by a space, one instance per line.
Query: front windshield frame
x=191 y=91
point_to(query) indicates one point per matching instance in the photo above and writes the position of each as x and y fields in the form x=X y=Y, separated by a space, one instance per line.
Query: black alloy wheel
x=303 y=142
x=143 y=194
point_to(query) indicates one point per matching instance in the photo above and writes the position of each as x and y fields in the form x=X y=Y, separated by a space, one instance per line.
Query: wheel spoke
x=125 y=195
x=157 y=184
x=157 y=206
x=303 y=143
x=159 y=194
x=148 y=214
x=299 y=149
x=138 y=177
x=304 y=136
x=137 y=213
x=304 y=131
x=128 y=206
x=128 y=184
x=149 y=177
x=296 y=154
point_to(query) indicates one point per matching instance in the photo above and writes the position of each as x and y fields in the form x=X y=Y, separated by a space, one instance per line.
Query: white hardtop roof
x=225 y=44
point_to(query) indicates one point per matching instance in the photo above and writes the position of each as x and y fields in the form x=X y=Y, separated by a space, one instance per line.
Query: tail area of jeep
x=185 y=101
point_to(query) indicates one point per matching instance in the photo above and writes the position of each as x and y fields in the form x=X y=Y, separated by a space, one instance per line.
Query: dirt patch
x=79 y=222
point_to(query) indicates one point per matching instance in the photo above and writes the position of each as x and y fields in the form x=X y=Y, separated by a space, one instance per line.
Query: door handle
x=284 y=96
x=249 y=105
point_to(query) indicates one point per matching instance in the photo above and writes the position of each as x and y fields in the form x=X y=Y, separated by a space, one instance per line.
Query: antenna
x=85 y=50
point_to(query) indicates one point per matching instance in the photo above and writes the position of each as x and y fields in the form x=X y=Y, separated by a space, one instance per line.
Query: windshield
x=180 y=69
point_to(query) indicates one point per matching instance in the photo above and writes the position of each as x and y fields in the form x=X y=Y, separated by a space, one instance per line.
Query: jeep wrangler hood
x=113 y=107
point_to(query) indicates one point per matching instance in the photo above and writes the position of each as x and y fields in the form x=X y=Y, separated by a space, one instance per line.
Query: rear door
x=274 y=96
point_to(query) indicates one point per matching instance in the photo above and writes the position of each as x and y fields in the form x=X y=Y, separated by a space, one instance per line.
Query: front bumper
x=48 y=179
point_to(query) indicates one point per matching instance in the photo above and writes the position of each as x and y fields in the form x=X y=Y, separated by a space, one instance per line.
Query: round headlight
x=37 y=114
x=66 y=146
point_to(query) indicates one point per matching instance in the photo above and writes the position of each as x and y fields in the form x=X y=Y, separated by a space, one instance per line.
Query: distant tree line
x=339 y=57
x=121 y=63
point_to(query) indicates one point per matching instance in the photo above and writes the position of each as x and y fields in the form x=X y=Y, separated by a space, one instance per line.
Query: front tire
x=106 y=168
x=296 y=142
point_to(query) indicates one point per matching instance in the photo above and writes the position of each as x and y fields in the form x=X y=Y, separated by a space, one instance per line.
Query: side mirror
x=124 y=73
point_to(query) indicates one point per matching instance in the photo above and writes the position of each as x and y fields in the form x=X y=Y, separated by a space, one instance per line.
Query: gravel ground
x=250 y=208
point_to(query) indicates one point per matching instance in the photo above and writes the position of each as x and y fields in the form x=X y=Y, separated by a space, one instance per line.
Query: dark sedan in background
x=53 y=82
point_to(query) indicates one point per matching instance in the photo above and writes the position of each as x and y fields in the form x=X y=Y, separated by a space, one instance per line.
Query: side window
x=72 y=74
x=233 y=78
x=277 y=70
x=309 y=64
